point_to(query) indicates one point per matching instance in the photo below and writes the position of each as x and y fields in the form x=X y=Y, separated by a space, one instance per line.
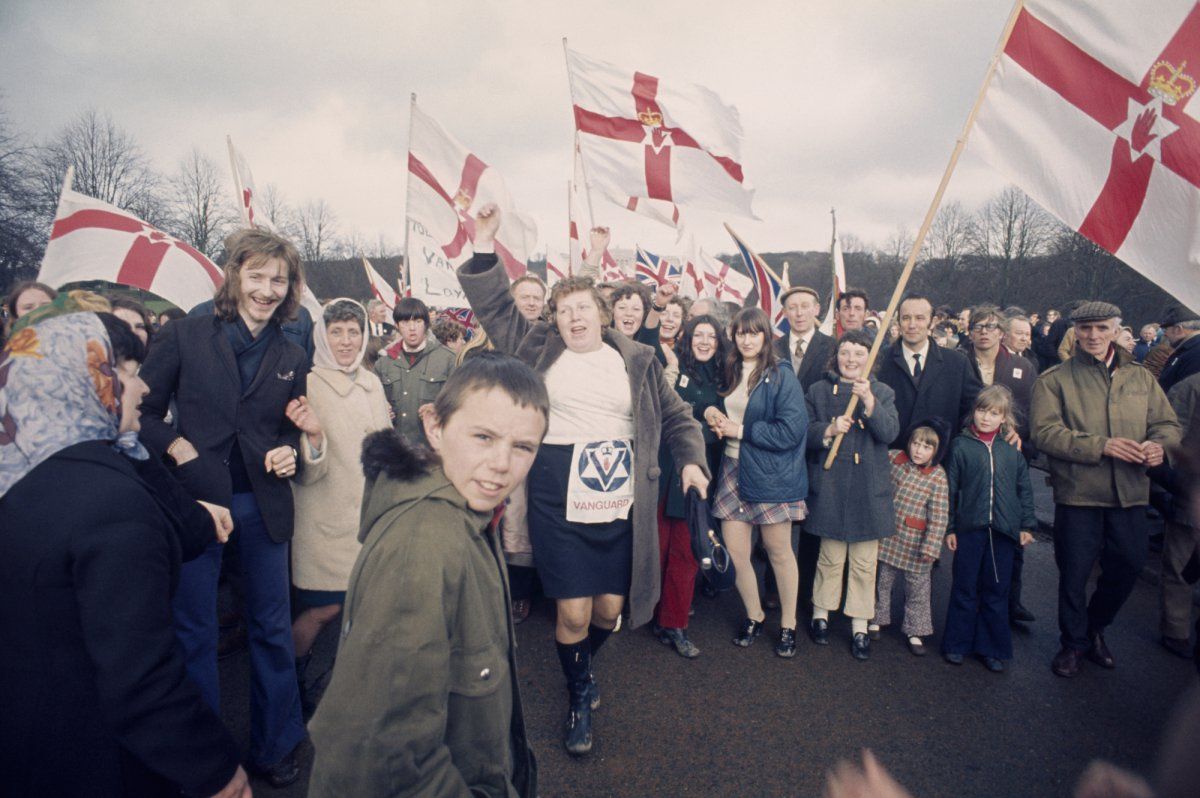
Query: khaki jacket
x=424 y=698
x=408 y=387
x=1077 y=407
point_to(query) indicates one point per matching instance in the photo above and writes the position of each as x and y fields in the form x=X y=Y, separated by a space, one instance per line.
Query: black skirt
x=573 y=560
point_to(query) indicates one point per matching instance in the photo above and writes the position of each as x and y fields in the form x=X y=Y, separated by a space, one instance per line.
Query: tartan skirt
x=728 y=507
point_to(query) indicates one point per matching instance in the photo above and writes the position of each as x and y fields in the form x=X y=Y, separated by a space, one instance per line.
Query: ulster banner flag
x=380 y=288
x=92 y=240
x=645 y=138
x=243 y=184
x=447 y=184
x=1092 y=112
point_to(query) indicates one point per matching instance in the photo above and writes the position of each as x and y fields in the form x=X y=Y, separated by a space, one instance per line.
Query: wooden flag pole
x=412 y=107
x=919 y=241
x=754 y=254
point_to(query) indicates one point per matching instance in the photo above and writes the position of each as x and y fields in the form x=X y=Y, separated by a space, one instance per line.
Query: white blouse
x=735 y=405
x=590 y=398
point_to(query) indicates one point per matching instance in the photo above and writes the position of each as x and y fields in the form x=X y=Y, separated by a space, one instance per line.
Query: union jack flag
x=654 y=271
x=463 y=316
x=766 y=281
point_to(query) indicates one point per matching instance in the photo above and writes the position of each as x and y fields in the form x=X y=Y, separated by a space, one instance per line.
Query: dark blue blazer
x=192 y=361
x=771 y=465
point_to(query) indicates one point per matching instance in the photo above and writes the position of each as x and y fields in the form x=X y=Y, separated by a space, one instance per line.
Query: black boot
x=576 y=662
x=307 y=705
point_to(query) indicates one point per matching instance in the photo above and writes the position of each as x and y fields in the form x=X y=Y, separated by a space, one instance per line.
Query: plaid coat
x=922 y=502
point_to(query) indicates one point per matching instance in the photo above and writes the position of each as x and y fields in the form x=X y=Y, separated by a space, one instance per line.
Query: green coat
x=989 y=487
x=1077 y=407
x=424 y=698
x=408 y=387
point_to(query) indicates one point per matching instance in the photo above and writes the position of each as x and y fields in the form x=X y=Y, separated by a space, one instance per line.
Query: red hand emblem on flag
x=1143 y=130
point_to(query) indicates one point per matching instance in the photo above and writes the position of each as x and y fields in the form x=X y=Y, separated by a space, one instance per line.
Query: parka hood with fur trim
x=398 y=473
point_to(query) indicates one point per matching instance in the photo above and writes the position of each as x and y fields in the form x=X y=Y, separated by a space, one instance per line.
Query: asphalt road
x=742 y=722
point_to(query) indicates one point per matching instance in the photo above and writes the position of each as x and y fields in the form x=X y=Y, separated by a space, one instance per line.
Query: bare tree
x=950 y=236
x=317 y=229
x=1009 y=230
x=22 y=233
x=852 y=243
x=891 y=259
x=272 y=203
x=109 y=165
x=353 y=244
x=199 y=203
x=1012 y=227
x=384 y=248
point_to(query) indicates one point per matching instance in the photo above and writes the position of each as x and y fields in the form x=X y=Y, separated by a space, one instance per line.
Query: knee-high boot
x=576 y=662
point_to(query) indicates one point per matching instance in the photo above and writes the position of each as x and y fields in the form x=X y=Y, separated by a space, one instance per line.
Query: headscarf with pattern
x=58 y=387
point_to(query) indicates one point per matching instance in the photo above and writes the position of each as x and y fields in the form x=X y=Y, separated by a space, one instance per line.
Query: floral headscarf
x=58 y=387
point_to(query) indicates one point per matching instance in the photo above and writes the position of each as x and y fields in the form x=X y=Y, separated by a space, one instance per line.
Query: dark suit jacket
x=1183 y=363
x=817 y=357
x=192 y=360
x=947 y=389
x=95 y=697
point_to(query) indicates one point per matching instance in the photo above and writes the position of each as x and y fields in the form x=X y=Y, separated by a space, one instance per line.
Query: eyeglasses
x=989 y=326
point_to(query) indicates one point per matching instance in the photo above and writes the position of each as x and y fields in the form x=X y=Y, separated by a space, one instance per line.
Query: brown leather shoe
x=1066 y=663
x=1100 y=654
x=520 y=610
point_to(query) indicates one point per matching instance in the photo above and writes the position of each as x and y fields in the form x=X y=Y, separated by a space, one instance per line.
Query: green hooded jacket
x=424 y=698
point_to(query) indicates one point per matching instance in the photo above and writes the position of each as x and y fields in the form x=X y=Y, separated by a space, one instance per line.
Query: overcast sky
x=853 y=105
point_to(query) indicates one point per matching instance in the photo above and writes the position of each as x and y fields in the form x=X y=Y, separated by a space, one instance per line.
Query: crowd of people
x=425 y=480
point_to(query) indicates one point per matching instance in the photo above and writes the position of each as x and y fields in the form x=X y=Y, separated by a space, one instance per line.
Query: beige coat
x=329 y=489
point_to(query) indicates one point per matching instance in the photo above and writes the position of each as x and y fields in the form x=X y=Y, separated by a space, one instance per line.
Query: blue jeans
x=977 y=618
x=275 y=723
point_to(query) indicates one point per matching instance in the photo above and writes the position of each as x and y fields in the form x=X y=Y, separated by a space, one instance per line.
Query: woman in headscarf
x=345 y=403
x=96 y=699
x=593 y=490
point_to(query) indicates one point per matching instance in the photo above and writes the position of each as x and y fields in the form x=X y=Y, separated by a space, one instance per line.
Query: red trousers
x=678 y=571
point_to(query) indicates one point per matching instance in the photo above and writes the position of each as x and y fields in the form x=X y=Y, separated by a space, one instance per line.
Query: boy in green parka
x=424 y=698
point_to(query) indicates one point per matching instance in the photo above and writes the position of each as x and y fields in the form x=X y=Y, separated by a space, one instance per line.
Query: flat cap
x=1177 y=314
x=1095 y=311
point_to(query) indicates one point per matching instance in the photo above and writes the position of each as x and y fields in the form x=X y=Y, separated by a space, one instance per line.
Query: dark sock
x=596 y=636
x=575 y=660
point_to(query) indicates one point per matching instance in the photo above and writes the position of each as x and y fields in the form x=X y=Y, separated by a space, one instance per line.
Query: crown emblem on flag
x=654 y=118
x=462 y=199
x=1169 y=83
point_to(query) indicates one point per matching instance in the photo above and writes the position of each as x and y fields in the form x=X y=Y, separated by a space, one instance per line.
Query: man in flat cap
x=1101 y=420
x=1182 y=328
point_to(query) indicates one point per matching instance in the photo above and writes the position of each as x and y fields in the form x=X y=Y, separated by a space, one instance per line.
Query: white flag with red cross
x=92 y=240
x=247 y=195
x=1092 y=111
x=706 y=276
x=380 y=288
x=829 y=325
x=447 y=185
x=556 y=269
x=669 y=141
